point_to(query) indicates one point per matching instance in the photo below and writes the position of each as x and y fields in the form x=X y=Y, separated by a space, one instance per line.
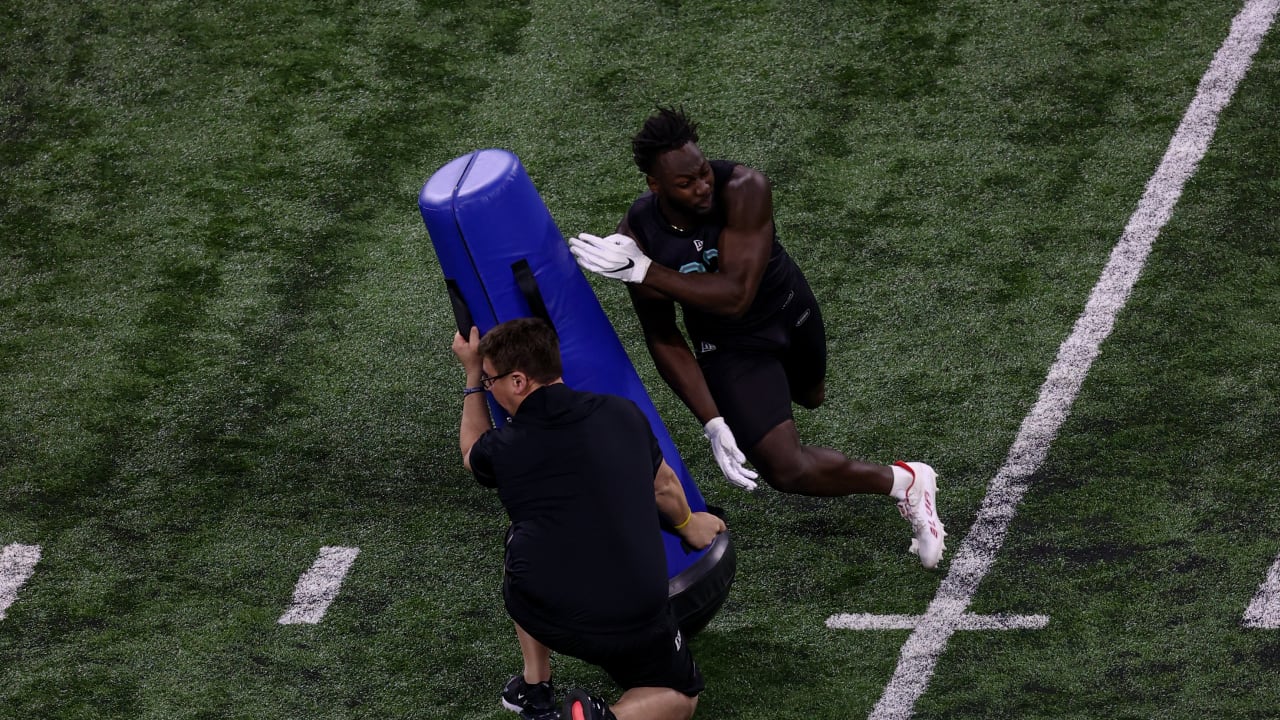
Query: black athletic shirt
x=575 y=472
x=697 y=250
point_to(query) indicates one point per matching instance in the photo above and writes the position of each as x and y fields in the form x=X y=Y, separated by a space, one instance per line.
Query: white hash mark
x=17 y=563
x=1264 y=611
x=319 y=586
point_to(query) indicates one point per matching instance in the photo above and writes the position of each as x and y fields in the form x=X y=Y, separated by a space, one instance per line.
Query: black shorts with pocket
x=753 y=378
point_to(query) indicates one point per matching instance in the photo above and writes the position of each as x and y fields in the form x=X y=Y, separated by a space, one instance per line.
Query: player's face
x=683 y=179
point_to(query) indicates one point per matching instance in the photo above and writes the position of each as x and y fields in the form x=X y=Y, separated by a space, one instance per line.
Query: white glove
x=616 y=257
x=727 y=454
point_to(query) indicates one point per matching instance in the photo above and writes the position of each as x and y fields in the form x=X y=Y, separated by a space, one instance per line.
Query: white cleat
x=919 y=508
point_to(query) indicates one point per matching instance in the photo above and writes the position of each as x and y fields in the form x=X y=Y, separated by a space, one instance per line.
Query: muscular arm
x=745 y=245
x=670 y=352
x=701 y=527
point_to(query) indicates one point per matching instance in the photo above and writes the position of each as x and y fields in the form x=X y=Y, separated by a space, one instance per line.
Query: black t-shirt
x=697 y=249
x=575 y=472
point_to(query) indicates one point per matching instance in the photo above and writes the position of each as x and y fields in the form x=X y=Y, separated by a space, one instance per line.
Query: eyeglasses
x=487 y=382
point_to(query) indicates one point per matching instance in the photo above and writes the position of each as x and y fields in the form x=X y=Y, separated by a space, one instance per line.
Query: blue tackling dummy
x=503 y=258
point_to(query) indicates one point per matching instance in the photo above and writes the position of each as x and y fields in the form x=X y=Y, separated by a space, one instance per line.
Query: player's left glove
x=616 y=256
x=730 y=459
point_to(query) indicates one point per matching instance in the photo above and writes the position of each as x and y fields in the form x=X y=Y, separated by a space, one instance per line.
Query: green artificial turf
x=224 y=344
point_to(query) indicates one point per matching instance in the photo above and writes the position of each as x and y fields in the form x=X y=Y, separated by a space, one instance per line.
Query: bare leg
x=809 y=470
x=654 y=703
x=537 y=657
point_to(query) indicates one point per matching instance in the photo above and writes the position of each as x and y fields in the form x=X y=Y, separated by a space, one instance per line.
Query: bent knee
x=812 y=398
x=787 y=477
x=786 y=484
x=780 y=459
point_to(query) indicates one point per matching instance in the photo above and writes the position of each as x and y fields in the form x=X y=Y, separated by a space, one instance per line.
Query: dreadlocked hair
x=667 y=129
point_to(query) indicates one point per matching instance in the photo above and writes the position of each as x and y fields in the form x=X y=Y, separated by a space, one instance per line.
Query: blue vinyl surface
x=484 y=214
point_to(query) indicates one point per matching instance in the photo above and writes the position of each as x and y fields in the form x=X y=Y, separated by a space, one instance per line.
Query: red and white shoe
x=920 y=509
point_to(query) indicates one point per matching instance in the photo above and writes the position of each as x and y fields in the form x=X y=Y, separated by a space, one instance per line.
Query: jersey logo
x=709 y=263
x=697 y=244
x=707 y=347
x=803 y=317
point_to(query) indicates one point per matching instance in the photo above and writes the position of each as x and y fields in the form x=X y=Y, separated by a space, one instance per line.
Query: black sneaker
x=578 y=705
x=533 y=702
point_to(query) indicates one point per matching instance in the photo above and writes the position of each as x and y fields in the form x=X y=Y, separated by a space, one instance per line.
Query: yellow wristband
x=682 y=525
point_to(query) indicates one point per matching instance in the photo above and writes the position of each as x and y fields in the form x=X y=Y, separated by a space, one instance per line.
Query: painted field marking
x=319 y=586
x=966 y=621
x=17 y=563
x=946 y=612
x=1264 y=611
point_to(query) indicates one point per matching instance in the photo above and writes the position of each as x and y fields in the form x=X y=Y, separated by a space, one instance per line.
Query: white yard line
x=17 y=563
x=1264 y=611
x=967 y=621
x=319 y=586
x=946 y=613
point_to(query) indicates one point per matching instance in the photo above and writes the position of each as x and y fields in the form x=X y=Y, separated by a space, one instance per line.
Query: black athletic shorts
x=655 y=656
x=753 y=378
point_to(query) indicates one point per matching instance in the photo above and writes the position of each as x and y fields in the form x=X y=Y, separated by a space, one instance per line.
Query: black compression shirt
x=698 y=249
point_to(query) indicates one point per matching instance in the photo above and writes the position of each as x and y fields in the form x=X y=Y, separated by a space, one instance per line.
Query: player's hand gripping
x=728 y=456
x=616 y=256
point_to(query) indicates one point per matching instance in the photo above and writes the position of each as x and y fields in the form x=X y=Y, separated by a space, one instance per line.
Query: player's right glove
x=616 y=256
x=730 y=459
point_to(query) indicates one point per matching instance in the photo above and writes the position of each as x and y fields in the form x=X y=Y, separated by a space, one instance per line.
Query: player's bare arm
x=670 y=353
x=681 y=372
x=745 y=246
